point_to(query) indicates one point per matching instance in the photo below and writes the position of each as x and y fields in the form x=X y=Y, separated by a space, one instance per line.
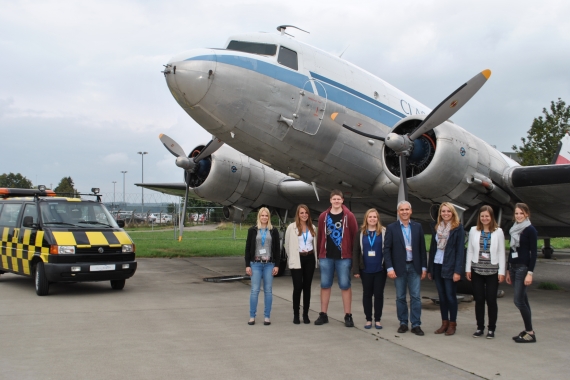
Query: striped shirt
x=484 y=266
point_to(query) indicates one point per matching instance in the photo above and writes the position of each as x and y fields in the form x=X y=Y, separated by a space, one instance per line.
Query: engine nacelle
x=238 y=182
x=439 y=162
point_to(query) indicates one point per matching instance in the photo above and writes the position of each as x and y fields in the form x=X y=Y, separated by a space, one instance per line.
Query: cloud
x=81 y=79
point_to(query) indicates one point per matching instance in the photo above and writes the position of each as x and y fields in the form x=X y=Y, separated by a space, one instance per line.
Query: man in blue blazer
x=406 y=259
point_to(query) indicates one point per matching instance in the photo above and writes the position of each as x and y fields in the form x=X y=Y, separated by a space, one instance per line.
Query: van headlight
x=62 y=250
x=128 y=248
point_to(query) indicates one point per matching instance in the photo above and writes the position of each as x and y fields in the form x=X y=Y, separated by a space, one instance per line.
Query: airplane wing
x=545 y=190
x=177 y=189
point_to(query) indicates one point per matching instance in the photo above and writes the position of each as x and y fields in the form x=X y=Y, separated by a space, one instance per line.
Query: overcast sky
x=81 y=90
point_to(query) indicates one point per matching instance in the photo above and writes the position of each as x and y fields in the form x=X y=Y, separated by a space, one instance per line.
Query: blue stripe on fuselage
x=336 y=92
x=357 y=94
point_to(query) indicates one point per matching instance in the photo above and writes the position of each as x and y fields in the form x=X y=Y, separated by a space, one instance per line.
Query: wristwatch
x=529 y=272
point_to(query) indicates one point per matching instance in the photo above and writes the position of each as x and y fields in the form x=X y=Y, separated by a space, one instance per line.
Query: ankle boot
x=451 y=329
x=296 y=317
x=306 y=319
x=443 y=328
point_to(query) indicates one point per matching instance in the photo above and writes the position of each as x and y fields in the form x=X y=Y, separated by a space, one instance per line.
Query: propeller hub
x=185 y=163
x=400 y=144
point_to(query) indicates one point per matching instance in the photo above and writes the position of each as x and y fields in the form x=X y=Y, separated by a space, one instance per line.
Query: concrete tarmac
x=169 y=324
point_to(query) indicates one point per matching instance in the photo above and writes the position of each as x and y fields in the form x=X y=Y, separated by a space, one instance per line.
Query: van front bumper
x=96 y=271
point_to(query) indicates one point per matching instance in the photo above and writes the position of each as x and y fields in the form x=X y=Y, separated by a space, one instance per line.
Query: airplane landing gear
x=547 y=250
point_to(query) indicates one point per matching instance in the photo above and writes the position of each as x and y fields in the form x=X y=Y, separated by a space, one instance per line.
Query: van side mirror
x=29 y=222
x=121 y=223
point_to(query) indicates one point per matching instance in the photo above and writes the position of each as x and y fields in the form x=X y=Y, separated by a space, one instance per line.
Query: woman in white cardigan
x=302 y=260
x=485 y=268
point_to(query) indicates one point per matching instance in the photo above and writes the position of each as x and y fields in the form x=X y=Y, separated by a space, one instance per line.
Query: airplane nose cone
x=190 y=78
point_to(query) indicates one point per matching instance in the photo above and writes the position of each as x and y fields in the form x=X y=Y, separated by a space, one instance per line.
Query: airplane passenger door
x=311 y=107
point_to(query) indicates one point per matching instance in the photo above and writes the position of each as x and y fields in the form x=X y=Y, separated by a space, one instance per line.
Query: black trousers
x=373 y=285
x=485 y=290
x=302 y=279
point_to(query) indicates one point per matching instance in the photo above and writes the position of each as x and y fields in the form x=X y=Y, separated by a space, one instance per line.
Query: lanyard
x=407 y=232
x=306 y=236
x=263 y=235
x=373 y=239
x=486 y=238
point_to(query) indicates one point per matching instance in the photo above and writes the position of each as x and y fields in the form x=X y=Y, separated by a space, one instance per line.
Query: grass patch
x=549 y=286
x=194 y=243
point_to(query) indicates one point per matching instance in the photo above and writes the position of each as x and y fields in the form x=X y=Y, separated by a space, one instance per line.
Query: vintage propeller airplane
x=291 y=122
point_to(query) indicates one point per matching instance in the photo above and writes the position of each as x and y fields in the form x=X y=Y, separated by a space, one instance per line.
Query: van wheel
x=117 y=284
x=41 y=281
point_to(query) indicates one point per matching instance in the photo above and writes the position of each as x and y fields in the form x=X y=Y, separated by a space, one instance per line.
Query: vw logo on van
x=100 y=250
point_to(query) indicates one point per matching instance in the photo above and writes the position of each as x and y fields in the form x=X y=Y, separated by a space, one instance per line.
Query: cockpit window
x=288 y=57
x=252 y=47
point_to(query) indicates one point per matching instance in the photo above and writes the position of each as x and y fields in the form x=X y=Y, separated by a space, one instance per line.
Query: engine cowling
x=439 y=161
x=236 y=181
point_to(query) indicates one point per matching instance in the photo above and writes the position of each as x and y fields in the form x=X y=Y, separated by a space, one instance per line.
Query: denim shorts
x=342 y=267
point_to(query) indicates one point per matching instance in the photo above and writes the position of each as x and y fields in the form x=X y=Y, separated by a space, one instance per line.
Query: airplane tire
x=40 y=280
x=117 y=284
x=547 y=252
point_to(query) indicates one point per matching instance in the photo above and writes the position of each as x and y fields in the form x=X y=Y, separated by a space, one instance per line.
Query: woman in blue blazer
x=446 y=264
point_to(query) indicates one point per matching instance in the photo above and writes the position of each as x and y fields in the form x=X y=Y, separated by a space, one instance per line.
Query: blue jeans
x=261 y=271
x=410 y=279
x=518 y=274
x=342 y=266
x=447 y=292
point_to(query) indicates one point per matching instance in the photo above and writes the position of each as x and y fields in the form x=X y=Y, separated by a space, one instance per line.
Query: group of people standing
x=373 y=253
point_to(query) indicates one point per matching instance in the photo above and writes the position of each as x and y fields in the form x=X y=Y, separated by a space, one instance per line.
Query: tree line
x=18 y=181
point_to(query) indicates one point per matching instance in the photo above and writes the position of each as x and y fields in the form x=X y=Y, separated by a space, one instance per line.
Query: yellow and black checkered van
x=57 y=239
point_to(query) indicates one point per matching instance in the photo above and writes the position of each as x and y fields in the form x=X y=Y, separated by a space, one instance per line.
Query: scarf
x=515 y=233
x=443 y=234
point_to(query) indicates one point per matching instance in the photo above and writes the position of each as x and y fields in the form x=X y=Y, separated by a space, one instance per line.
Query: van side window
x=31 y=210
x=288 y=57
x=9 y=214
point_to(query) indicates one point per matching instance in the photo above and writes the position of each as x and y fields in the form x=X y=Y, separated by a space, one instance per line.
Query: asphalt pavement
x=169 y=323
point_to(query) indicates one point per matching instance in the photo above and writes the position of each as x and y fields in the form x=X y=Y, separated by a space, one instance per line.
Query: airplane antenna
x=340 y=56
x=281 y=28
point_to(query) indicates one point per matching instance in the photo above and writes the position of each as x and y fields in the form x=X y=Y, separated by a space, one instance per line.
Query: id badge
x=485 y=255
x=262 y=252
x=515 y=255
x=371 y=253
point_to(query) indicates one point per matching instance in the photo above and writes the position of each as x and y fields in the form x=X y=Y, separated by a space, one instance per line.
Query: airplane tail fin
x=562 y=156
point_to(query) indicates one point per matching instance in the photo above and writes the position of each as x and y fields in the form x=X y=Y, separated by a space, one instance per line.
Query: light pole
x=124 y=172
x=114 y=183
x=142 y=177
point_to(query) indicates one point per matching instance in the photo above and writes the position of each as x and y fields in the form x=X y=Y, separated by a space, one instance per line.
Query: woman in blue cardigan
x=522 y=258
x=446 y=264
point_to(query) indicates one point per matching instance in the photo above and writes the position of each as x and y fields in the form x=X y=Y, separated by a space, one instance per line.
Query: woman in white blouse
x=302 y=260
x=485 y=268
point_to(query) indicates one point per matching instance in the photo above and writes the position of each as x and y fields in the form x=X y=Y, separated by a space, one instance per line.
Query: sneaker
x=478 y=333
x=322 y=319
x=490 y=334
x=348 y=320
x=526 y=338
x=402 y=329
x=520 y=334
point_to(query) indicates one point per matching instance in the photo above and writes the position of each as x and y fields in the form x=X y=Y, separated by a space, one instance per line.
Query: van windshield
x=78 y=214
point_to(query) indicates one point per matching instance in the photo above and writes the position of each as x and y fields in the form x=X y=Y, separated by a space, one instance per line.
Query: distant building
x=513 y=156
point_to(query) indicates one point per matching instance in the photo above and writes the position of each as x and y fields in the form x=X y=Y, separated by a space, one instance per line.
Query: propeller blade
x=172 y=146
x=358 y=126
x=451 y=104
x=403 y=185
x=212 y=146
